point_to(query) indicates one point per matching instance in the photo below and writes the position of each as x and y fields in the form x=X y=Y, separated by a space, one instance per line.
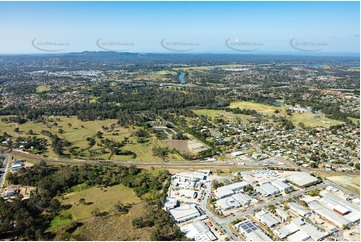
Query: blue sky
x=191 y=27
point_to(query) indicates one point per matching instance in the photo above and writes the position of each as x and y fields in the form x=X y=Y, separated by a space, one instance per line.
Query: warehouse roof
x=302 y=179
x=184 y=212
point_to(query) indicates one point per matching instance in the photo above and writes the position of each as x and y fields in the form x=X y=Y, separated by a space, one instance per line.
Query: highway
x=196 y=164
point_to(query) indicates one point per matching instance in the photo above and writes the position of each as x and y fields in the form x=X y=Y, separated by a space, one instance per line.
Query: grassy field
x=215 y=113
x=354 y=120
x=76 y=132
x=261 y=108
x=309 y=119
x=101 y=198
x=351 y=183
x=117 y=227
x=313 y=120
x=43 y=88
x=110 y=227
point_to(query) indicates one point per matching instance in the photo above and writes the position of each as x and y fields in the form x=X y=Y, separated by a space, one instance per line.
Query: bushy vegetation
x=54 y=181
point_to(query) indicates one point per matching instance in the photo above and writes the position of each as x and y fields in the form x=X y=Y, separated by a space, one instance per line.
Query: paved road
x=172 y=164
x=224 y=223
x=3 y=169
x=214 y=217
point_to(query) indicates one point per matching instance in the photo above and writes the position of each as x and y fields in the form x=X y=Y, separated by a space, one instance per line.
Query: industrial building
x=282 y=186
x=302 y=179
x=283 y=214
x=227 y=203
x=228 y=190
x=184 y=212
x=328 y=214
x=235 y=201
x=242 y=199
x=267 y=189
x=298 y=209
x=170 y=202
x=198 y=231
x=342 y=207
x=251 y=232
x=267 y=219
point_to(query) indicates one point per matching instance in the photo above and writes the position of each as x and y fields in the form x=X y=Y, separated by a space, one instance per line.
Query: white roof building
x=267 y=189
x=282 y=186
x=198 y=231
x=308 y=229
x=170 y=202
x=299 y=236
x=266 y=219
x=325 y=212
x=184 y=212
x=228 y=190
x=302 y=179
x=283 y=214
x=241 y=198
x=227 y=203
x=298 y=209
x=251 y=232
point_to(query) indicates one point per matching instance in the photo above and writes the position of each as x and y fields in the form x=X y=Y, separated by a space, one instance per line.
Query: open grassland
x=307 y=118
x=261 y=108
x=354 y=120
x=95 y=198
x=213 y=113
x=313 y=120
x=43 y=88
x=117 y=227
x=76 y=132
x=160 y=76
x=351 y=182
x=109 y=227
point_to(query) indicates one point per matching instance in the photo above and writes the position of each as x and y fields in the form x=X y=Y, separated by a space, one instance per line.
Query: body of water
x=181 y=78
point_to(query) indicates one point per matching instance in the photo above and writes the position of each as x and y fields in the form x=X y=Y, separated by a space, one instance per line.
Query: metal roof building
x=309 y=229
x=283 y=214
x=230 y=189
x=267 y=189
x=282 y=186
x=241 y=198
x=328 y=214
x=170 y=202
x=302 y=179
x=198 y=231
x=298 y=209
x=184 y=212
x=251 y=232
x=266 y=219
x=227 y=203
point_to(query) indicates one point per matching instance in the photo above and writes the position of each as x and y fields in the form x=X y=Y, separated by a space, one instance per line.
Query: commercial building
x=266 y=219
x=328 y=214
x=298 y=209
x=286 y=230
x=267 y=190
x=302 y=179
x=308 y=229
x=228 y=190
x=184 y=213
x=170 y=202
x=242 y=199
x=251 y=232
x=283 y=214
x=282 y=186
x=198 y=231
x=227 y=203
